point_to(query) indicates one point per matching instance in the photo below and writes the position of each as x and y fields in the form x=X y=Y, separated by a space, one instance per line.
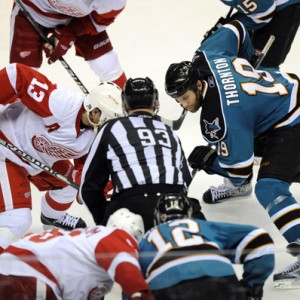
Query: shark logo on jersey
x=212 y=128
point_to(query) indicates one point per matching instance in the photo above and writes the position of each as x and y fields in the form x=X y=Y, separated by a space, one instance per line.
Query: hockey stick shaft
x=229 y=13
x=39 y=164
x=264 y=51
x=46 y=40
x=174 y=124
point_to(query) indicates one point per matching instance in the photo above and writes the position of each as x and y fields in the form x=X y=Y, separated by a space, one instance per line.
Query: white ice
x=148 y=36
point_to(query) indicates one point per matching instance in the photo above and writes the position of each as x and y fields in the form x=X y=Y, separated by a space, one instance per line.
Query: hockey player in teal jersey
x=264 y=18
x=186 y=258
x=239 y=103
x=258 y=13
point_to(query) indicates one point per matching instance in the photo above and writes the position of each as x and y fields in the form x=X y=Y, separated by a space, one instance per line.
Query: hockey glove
x=62 y=39
x=256 y=58
x=222 y=21
x=108 y=190
x=202 y=157
x=144 y=295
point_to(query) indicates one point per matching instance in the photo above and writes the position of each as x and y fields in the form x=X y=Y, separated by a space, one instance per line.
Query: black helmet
x=172 y=206
x=139 y=93
x=181 y=77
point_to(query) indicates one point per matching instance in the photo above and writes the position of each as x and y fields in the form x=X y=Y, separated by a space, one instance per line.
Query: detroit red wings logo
x=67 y=8
x=43 y=145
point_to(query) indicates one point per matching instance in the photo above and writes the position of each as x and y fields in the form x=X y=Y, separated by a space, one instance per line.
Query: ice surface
x=149 y=36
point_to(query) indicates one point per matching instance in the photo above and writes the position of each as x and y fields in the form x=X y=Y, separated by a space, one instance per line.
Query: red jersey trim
x=31 y=259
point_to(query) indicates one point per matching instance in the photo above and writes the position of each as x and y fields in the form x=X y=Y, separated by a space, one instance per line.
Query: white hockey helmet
x=128 y=221
x=107 y=98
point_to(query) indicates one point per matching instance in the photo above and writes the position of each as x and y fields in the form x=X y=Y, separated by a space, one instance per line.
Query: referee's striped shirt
x=136 y=150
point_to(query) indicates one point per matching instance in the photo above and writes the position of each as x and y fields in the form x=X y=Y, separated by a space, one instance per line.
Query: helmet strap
x=95 y=125
x=156 y=107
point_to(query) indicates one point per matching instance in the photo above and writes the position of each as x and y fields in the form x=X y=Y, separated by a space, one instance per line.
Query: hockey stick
x=42 y=166
x=229 y=13
x=264 y=51
x=174 y=124
x=46 y=40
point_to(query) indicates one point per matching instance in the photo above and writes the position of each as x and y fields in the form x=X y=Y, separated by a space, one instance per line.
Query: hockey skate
x=289 y=278
x=226 y=191
x=66 y=222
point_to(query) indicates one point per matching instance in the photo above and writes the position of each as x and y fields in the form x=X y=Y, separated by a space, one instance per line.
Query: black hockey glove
x=202 y=157
x=253 y=293
x=256 y=58
x=222 y=21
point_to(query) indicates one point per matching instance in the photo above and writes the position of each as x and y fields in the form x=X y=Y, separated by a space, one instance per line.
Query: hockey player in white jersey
x=68 y=22
x=76 y=265
x=53 y=125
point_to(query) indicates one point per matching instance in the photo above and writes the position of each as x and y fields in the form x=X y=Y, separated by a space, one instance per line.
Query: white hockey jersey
x=51 y=13
x=78 y=264
x=40 y=119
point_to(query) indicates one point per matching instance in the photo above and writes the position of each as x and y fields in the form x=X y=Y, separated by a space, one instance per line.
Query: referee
x=141 y=155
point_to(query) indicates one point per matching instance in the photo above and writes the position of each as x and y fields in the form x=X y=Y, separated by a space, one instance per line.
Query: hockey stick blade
x=41 y=165
x=174 y=124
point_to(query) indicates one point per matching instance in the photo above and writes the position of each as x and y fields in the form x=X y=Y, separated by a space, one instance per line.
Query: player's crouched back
x=186 y=258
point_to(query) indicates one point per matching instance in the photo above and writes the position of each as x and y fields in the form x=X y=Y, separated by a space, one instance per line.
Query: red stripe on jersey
x=116 y=242
x=7 y=92
x=17 y=188
x=59 y=16
x=127 y=275
x=56 y=205
x=31 y=259
x=105 y=18
x=130 y=279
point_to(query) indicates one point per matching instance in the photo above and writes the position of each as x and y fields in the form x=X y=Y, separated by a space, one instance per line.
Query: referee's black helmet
x=139 y=93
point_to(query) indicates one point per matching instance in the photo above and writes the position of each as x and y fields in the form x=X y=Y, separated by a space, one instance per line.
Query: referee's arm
x=95 y=175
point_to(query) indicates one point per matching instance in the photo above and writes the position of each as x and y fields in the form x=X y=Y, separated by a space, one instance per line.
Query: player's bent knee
x=14 y=224
x=7 y=237
x=269 y=189
x=107 y=66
